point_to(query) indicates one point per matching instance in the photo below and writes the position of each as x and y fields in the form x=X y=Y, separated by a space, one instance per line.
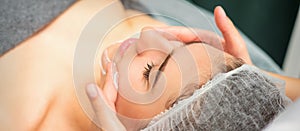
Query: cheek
x=174 y=79
x=140 y=111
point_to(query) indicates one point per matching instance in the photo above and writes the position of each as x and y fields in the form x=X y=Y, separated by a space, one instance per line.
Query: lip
x=125 y=45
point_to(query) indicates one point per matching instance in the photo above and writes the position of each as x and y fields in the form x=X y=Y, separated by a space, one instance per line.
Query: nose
x=152 y=39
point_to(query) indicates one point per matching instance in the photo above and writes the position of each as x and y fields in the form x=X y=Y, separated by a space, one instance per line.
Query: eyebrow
x=162 y=68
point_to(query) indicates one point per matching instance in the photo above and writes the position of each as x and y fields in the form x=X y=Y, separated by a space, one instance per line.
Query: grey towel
x=19 y=19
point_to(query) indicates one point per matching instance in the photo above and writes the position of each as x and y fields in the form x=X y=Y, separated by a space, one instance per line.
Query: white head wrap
x=242 y=99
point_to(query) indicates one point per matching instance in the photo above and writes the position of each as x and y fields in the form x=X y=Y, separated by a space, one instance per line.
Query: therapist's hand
x=103 y=102
x=232 y=42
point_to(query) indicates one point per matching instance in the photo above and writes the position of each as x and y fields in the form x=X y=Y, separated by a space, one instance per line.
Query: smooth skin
x=36 y=87
x=232 y=43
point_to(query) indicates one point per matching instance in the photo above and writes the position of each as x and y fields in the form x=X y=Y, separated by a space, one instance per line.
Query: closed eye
x=147 y=70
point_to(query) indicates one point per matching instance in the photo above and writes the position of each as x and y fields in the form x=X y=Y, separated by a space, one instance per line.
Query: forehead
x=185 y=58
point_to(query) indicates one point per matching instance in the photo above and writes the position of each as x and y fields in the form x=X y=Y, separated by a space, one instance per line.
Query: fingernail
x=106 y=56
x=112 y=67
x=103 y=72
x=115 y=75
x=106 y=60
x=102 y=69
x=92 y=90
x=222 y=12
x=115 y=80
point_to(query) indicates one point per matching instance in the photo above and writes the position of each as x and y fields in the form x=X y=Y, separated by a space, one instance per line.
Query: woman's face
x=154 y=69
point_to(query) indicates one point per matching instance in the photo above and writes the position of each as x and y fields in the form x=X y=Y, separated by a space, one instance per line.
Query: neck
x=82 y=29
x=65 y=33
x=73 y=21
x=74 y=31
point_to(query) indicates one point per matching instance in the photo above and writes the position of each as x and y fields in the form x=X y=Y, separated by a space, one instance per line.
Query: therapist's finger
x=234 y=43
x=189 y=35
x=150 y=39
x=229 y=32
x=110 y=86
x=106 y=117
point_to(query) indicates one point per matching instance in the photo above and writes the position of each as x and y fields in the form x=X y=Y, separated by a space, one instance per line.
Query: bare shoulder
x=31 y=81
x=140 y=19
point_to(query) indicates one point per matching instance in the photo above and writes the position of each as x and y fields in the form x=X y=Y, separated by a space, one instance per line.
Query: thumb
x=230 y=33
x=106 y=118
x=234 y=44
x=111 y=85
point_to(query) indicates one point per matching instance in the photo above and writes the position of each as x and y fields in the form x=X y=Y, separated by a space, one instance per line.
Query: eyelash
x=147 y=70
